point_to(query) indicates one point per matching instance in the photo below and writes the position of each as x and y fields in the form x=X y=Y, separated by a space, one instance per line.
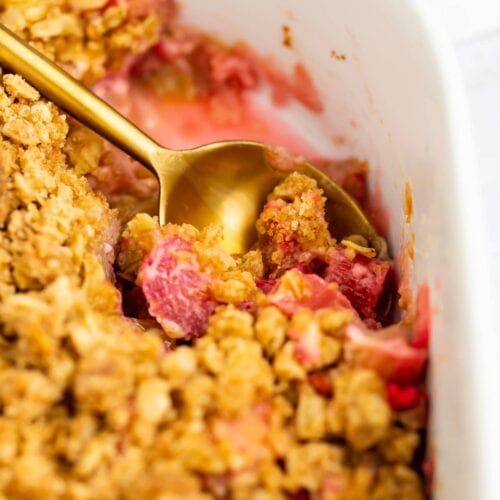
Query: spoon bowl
x=223 y=183
x=226 y=183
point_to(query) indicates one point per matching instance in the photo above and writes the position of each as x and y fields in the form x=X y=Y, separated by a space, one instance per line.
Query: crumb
x=336 y=55
x=286 y=36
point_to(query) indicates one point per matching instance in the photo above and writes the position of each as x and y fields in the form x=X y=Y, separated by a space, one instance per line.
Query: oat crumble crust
x=96 y=406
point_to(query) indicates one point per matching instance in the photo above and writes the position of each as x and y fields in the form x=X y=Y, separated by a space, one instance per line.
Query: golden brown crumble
x=231 y=284
x=51 y=220
x=82 y=36
x=96 y=405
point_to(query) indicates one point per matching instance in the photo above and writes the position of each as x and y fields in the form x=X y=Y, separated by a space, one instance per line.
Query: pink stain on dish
x=186 y=124
x=299 y=86
x=422 y=326
x=377 y=210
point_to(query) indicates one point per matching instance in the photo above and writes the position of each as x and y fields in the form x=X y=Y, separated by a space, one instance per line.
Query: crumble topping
x=50 y=219
x=88 y=38
x=171 y=369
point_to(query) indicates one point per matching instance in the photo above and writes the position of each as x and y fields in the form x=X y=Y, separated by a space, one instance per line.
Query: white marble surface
x=474 y=27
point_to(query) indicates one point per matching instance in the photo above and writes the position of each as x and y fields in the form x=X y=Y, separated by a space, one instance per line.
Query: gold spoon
x=225 y=183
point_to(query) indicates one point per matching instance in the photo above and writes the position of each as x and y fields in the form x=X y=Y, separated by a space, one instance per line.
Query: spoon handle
x=71 y=96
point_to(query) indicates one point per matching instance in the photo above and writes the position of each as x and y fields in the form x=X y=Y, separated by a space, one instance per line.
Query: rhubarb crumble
x=144 y=362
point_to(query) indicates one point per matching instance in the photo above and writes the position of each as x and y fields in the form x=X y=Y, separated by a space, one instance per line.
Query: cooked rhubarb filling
x=143 y=362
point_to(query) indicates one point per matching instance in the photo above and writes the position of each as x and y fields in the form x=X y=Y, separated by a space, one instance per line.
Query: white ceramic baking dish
x=396 y=99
